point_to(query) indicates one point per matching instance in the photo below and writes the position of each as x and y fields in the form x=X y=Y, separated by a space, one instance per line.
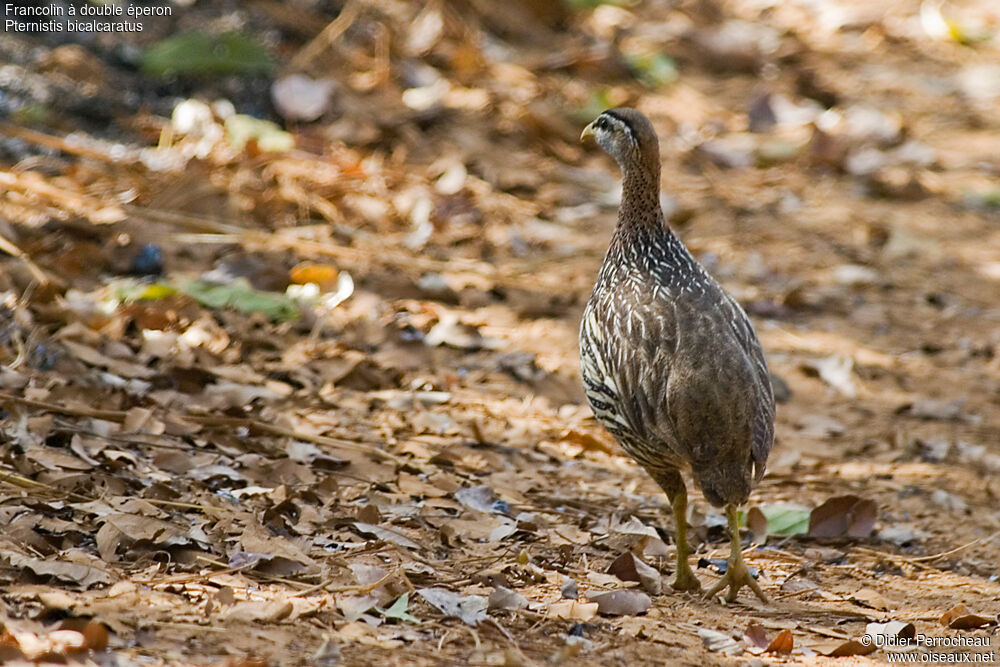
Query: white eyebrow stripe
x=623 y=125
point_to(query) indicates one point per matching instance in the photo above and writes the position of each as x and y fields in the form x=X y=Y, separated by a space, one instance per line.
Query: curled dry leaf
x=719 y=642
x=757 y=642
x=960 y=618
x=624 y=602
x=757 y=523
x=849 y=648
x=756 y=639
x=881 y=632
x=573 y=610
x=843 y=515
x=629 y=568
x=783 y=643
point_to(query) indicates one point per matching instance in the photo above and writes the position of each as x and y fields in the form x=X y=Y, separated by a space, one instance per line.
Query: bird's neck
x=640 y=206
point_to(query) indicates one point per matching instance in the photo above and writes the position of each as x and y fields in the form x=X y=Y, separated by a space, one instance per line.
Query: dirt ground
x=409 y=475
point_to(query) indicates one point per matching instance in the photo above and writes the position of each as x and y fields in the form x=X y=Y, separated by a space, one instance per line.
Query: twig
x=330 y=34
x=932 y=557
x=24 y=482
x=8 y=247
x=261 y=575
x=356 y=588
x=55 y=143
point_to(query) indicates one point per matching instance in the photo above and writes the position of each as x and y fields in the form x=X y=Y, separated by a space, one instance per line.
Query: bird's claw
x=736 y=577
x=685 y=580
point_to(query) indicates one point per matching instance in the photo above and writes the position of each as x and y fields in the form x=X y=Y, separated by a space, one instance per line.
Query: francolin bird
x=671 y=364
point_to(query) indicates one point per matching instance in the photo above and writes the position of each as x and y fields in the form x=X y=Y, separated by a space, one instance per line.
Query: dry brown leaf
x=847 y=648
x=83 y=574
x=843 y=515
x=757 y=523
x=783 y=643
x=629 y=568
x=572 y=610
x=756 y=639
x=261 y=611
x=256 y=539
x=386 y=535
x=960 y=618
x=624 y=602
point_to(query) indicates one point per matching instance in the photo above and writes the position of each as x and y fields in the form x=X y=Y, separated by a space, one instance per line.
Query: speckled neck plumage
x=642 y=240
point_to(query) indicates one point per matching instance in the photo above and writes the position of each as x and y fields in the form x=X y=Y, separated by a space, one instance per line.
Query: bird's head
x=628 y=137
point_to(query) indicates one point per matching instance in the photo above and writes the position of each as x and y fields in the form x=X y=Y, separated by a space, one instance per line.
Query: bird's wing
x=763 y=430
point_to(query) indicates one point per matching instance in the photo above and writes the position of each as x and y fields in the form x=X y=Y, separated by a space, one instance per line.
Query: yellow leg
x=685 y=579
x=737 y=575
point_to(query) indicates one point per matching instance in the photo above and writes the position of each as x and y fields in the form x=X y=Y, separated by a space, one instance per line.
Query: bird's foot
x=736 y=577
x=685 y=580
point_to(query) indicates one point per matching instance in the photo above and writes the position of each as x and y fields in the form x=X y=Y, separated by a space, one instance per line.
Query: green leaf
x=239 y=295
x=785 y=519
x=400 y=610
x=202 y=54
x=653 y=69
x=126 y=291
x=241 y=128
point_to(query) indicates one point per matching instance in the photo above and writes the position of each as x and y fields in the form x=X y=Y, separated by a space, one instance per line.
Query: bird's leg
x=737 y=575
x=673 y=484
x=685 y=579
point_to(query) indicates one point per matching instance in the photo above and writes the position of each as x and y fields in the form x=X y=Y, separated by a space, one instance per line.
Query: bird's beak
x=588 y=132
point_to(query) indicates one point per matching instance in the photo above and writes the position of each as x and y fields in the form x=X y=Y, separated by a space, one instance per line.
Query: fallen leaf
x=471 y=609
x=785 y=519
x=504 y=598
x=757 y=523
x=629 y=568
x=718 y=642
x=881 y=633
x=573 y=610
x=482 y=499
x=843 y=515
x=79 y=573
x=624 y=602
x=783 y=643
x=262 y=611
x=849 y=648
x=756 y=639
x=200 y=53
x=354 y=607
x=568 y=589
x=239 y=295
x=960 y=618
x=837 y=371
x=400 y=610
x=386 y=535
